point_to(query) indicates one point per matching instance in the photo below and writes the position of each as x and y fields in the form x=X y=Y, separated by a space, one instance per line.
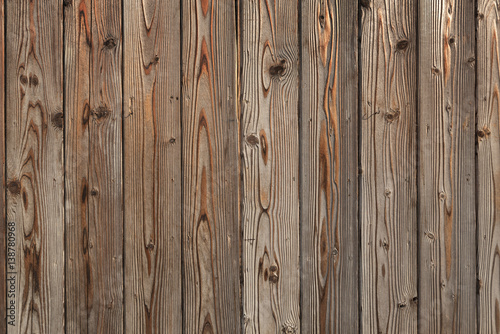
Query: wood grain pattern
x=210 y=124
x=270 y=148
x=3 y=225
x=329 y=174
x=152 y=153
x=447 y=167
x=488 y=166
x=388 y=167
x=35 y=169
x=79 y=264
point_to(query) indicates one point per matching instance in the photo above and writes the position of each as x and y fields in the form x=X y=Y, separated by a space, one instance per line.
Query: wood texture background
x=257 y=166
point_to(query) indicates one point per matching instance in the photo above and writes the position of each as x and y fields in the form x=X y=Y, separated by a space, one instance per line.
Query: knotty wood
x=329 y=141
x=447 y=168
x=270 y=147
x=152 y=148
x=488 y=166
x=34 y=156
x=388 y=204
x=80 y=266
x=211 y=247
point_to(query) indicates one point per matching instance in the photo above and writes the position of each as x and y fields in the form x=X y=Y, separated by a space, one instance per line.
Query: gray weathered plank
x=329 y=174
x=3 y=226
x=152 y=156
x=210 y=145
x=488 y=166
x=270 y=153
x=79 y=265
x=388 y=200
x=447 y=167
x=35 y=166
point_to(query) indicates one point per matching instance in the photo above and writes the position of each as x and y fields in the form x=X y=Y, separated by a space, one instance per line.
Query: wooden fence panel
x=447 y=167
x=35 y=166
x=211 y=233
x=152 y=153
x=3 y=226
x=488 y=166
x=329 y=173
x=270 y=153
x=388 y=206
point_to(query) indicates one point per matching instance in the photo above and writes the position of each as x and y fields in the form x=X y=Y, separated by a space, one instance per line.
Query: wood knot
x=58 y=120
x=156 y=59
x=402 y=305
x=273 y=277
x=402 y=45
x=384 y=244
x=365 y=3
x=472 y=62
x=435 y=71
x=442 y=195
x=172 y=140
x=287 y=329
x=278 y=69
x=109 y=43
x=392 y=115
x=414 y=300
x=14 y=187
x=480 y=133
x=480 y=16
x=67 y=3
x=34 y=80
x=94 y=192
x=101 y=112
x=335 y=251
x=252 y=140
x=150 y=246
x=23 y=79
x=429 y=235
x=451 y=40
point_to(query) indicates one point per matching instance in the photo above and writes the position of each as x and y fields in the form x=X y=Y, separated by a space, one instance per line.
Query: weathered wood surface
x=152 y=153
x=270 y=169
x=488 y=166
x=35 y=166
x=447 y=232
x=3 y=226
x=210 y=146
x=329 y=174
x=388 y=198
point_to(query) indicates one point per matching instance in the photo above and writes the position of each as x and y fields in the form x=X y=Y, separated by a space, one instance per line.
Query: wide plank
x=35 y=165
x=3 y=227
x=152 y=167
x=388 y=189
x=210 y=146
x=488 y=166
x=270 y=166
x=329 y=173
x=446 y=125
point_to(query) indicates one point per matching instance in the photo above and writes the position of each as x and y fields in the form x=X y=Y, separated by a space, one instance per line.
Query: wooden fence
x=252 y=166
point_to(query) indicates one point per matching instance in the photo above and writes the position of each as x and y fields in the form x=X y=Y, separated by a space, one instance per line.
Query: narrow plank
x=210 y=149
x=388 y=167
x=77 y=55
x=329 y=141
x=105 y=170
x=152 y=153
x=3 y=228
x=447 y=167
x=35 y=166
x=270 y=165
x=488 y=166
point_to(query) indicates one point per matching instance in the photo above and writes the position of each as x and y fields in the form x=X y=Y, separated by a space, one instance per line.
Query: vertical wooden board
x=210 y=168
x=329 y=141
x=447 y=167
x=3 y=224
x=388 y=167
x=35 y=170
x=105 y=170
x=152 y=153
x=270 y=153
x=488 y=166
x=77 y=49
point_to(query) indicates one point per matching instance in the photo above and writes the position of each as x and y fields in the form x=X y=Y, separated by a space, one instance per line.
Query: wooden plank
x=447 y=167
x=388 y=167
x=79 y=264
x=329 y=174
x=152 y=148
x=488 y=166
x=270 y=151
x=211 y=232
x=35 y=166
x=105 y=169
x=3 y=227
